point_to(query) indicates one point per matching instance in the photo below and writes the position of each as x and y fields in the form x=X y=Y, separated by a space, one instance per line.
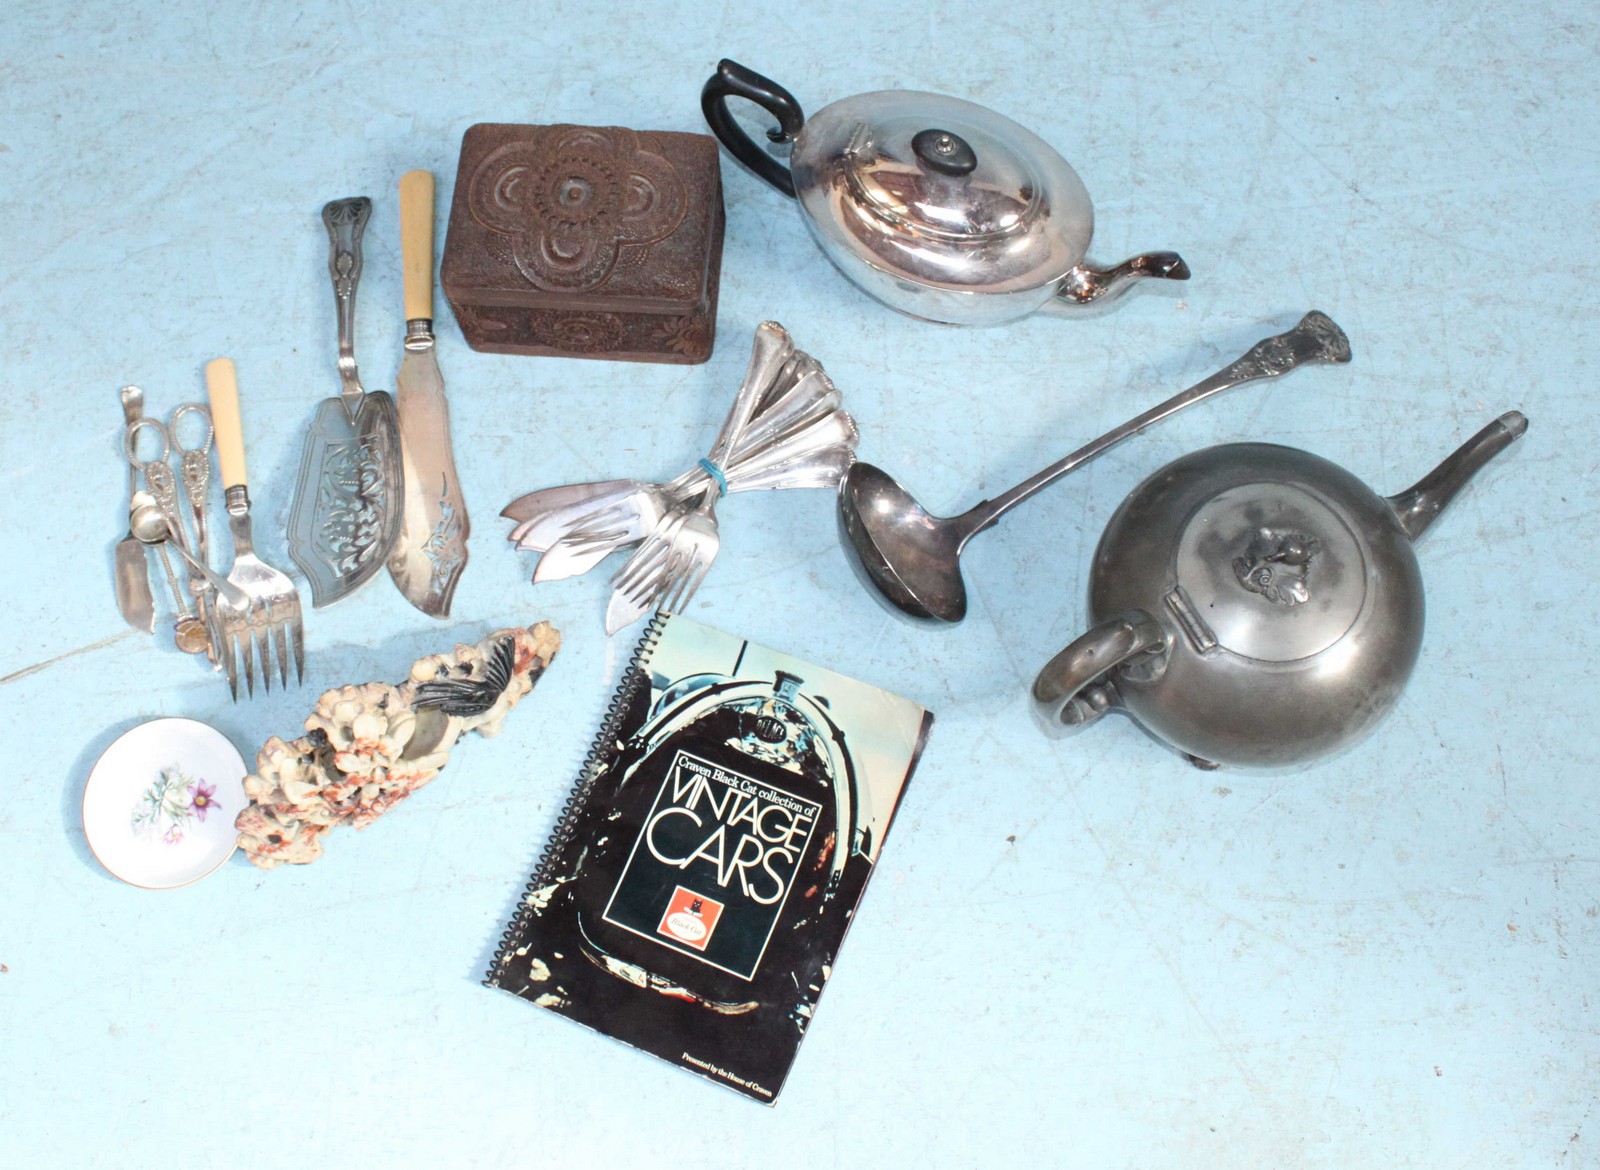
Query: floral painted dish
x=159 y=806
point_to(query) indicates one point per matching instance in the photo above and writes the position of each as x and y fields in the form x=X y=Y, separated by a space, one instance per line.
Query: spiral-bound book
x=693 y=896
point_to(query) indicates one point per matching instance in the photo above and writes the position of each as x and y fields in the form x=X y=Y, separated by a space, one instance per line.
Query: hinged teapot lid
x=941 y=191
x=1271 y=571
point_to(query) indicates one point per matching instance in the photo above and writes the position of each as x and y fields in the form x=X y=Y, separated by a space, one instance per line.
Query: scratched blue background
x=1076 y=953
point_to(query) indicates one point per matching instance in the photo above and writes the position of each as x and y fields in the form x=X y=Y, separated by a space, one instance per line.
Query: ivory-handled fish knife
x=431 y=553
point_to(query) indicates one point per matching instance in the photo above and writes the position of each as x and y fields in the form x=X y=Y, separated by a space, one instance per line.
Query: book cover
x=696 y=889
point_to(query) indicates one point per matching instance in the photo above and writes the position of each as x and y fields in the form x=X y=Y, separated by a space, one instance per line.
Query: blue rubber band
x=715 y=473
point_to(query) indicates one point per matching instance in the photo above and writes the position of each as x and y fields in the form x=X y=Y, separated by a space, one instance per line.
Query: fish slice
x=347 y=501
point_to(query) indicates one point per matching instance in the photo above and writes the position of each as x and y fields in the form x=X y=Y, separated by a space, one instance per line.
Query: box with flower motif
x=586 y=241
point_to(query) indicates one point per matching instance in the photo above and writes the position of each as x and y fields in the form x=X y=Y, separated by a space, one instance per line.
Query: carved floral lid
x=582 y=217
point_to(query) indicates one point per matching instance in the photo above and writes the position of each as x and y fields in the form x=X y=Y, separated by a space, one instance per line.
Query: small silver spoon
x=148 y=523
x=913 y=558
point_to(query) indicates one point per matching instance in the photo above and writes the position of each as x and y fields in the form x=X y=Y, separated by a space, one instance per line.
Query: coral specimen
x=368 y=747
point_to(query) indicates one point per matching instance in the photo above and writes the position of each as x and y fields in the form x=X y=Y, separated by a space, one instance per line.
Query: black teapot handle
x=733 y=80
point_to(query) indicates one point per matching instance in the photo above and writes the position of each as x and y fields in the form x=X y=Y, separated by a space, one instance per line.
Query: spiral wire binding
x=634 y=676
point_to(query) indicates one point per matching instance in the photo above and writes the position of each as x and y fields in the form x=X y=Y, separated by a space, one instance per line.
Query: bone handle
x=416 y=243
x=222 y=384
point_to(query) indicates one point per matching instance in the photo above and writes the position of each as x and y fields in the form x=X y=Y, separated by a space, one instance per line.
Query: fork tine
x=672 y=581
x=242 y=636
x=661 y=585
x=692 y=580
x=229 y=662
x=583 y=539
x=638 y=567
x=692 y=584
x=642 y=583
x=280 y=639
x=297 y=638
x=261 y=625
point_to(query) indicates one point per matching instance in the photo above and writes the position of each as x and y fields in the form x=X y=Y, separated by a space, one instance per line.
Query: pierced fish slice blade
x=346 y=513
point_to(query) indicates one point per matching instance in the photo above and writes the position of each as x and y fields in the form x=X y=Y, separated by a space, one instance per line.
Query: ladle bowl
x=912 y=558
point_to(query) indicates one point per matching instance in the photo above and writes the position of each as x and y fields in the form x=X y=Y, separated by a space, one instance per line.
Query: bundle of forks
x=785 y=430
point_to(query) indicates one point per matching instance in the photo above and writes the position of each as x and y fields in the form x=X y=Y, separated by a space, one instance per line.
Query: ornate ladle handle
x=1315 y=338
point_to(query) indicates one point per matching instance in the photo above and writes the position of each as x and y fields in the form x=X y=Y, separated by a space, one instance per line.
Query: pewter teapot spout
x=1418 y=505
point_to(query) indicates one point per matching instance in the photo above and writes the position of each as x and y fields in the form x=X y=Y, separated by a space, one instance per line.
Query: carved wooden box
x=586 y=241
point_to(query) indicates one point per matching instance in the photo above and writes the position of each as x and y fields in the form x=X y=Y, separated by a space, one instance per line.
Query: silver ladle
x=148 y=523
x=913 y=558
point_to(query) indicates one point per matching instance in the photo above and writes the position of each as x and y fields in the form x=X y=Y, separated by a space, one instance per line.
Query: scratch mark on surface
x=49 y=662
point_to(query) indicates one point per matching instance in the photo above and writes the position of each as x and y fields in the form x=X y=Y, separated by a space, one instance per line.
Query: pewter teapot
x=1257 y=605
x=939 y=208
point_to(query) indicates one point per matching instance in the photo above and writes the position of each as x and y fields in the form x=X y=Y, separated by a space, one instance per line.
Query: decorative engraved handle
x=164 y=487
x=195 y=469
x=346 y=221
x=164 y=490
x=1314 y=339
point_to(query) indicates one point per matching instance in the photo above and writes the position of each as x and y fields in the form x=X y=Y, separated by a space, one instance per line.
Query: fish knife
x=431 y=552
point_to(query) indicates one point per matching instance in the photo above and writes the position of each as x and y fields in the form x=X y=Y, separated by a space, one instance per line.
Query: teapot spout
x=1086 y=285
x=1418 y=505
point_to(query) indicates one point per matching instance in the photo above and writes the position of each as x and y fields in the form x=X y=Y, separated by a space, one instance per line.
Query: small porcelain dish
x=159 y=804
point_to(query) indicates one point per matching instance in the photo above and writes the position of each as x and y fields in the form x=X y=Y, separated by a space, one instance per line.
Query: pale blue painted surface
x=1078 y=953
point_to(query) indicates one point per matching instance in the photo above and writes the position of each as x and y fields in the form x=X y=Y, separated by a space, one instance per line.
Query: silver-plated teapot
x=1257 y=605
x=939 y=208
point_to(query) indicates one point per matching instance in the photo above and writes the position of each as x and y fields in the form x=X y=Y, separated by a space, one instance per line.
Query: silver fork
x=678 y=552
x=272 y=615
x=694 y=547
x=696 y=542
x=643 y=576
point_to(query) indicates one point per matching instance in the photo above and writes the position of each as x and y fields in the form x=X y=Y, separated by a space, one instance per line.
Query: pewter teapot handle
x=1074 y=688
x=733 y=80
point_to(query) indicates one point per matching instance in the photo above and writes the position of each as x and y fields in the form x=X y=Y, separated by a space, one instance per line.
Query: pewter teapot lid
x=931 y=186
x=1243 y=566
